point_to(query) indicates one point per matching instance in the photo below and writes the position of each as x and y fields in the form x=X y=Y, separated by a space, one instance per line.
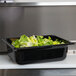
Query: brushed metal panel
x=15 y=21
x=49 y=72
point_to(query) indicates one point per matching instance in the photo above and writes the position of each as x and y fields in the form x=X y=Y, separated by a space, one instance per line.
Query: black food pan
x=38 y=53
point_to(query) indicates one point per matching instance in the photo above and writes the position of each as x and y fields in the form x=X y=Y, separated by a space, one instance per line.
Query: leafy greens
x=31 y=41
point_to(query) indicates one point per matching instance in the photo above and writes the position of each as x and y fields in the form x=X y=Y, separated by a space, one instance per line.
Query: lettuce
x=31 y=41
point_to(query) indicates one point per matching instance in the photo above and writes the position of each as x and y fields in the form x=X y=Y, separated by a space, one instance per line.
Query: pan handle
x=7 y=43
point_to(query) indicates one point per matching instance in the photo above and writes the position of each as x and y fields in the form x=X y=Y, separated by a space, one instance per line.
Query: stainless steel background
x=48 y=72
x=59 y=20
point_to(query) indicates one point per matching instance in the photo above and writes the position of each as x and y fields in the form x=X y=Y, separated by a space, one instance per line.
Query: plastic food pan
x=39 y=53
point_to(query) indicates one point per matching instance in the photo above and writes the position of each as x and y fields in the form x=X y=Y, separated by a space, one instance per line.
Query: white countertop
x=68 y=62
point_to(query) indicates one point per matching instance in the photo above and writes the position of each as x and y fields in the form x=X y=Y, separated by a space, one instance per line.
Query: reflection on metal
x=6 y=1
x=38 y=4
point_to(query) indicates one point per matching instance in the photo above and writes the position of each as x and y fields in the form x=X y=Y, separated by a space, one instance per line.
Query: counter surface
x=68 y=62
